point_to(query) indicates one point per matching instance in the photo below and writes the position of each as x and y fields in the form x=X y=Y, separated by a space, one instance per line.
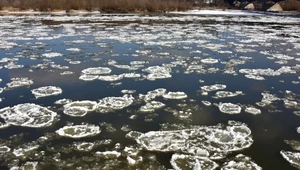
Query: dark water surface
x=249 y=42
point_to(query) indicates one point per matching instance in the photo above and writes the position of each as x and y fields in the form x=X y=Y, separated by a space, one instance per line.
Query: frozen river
x=149 y=92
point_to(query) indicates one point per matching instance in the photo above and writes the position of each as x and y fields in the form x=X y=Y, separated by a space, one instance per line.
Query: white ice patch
x=158 y=72
x=209 y=61
x=175 y=95
x=128 y=91
x=52 y=54
x=109 y=104
x=152 y=106
x=19 y=82
x=182 y=162
x=254 y=77
x=12 y=65
x=111 y=78
x=79 y=108
x=268 y=99
x=24 y=151
x=67 y=73
x=108 y=154
x=29 y=166
x=84 y=146
x=4 y=149
x=240 y=162
x=153 y=94
x=224 y=94
x=79 y=131
x=28 y=115
x=96 y=70
x=63 y=101
x=253 y=110
x=132 y=75
x=206 y=141
x=214 y=87
x=88 y=77
x=206 y=103
x=292 y=157
x=73 y=49
x=46 y=91
x=230 y=108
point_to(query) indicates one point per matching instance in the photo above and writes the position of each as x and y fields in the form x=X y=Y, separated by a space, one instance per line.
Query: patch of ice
x=96 y=70
x=46 y=91
x=73 y=49
x=12 y=65
x=88 y=77
x=224 y=94
x=111 y=78
x=19 y=82
x=79 y=108
x=175 y=95
x=109 y=104
x=254 y=77
x=67 y=73
x=209 y=61
x=128 y=91
x=24 y=151
x=153 y=94
x=52 y=54
x=181 y=162
x=206 y=141
x=214 y=87
x=134 y=161
x=74 y=62
x=108 y=154
x=84 y=146
x=230 y=108
x=79 y=131
x=240 y=162
x=63 y=101
x=29 y=166
x=158 y=72
x=253 y=110
x=4 y=149
x=28 y=115
x=152 y=106
x=206 y=103
x=292 y=157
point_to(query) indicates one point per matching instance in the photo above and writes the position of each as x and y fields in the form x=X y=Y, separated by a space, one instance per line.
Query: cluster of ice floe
x=215 y=87
x=158 y=72
x=109 y=104
x=79 y=131
x=19 y=82
x=46 y=91
x=28 y=115
x=151 y=106
x=267 y=99
x=79 y=108
x=214 y=142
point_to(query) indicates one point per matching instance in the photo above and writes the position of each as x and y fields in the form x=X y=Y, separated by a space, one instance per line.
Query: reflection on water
x=149 y=92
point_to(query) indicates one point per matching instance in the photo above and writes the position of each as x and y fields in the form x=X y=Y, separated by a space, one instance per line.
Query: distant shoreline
x=203 y=11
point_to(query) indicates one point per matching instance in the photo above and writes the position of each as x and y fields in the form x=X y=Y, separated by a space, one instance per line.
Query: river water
x=228 y=85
